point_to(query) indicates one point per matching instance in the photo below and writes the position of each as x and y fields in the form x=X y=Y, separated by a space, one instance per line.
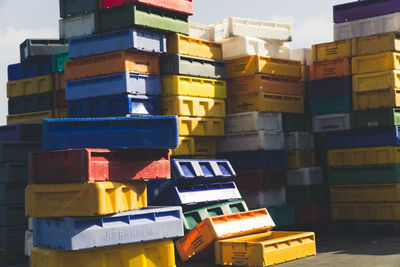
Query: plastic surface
x=332 y=51
x=59 y=100
x=376 y=63
x=157 y=253
x=330 y=87
x=17 y=151
x=305 y=194
x=255 y=160
x=305 y=176
x=331 y=122
x=117 y=40
x=253 y=121
x=304 y=55
x=32 y=68
x=366 y=212
x=13 y=172
x=375 y=44
x=296 y=159
x=283 y=215
x=299 y=141
x=313 y=213
x=331 y=104
x=330 y=69
x=28 y=243
x=376 y=99
x=261 y=179
x=30 y=86
x=11 y=194
x=180 y=6
x=376 y=81
x=59 y=81
x=30 y=103
x=12 y=237
x=76 y=26
x=150 y=133
x=70 y=8
x=12 y=215
x=32 y=48
x=377 y=118
x=256 y=199
x=193 y=107
x=196 y=146
x=30 y=118
x=296 y=123
x=201 y=31
x=364 y=193
x=250 y=141
x=21 y=132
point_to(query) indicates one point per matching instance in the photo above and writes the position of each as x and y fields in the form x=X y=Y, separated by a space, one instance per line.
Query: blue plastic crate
x=198 y=194
x=256 y=160
x=364 y=138
x=76 y=233
x=21 y=132
x=118 y=105
x=192 y=171
x=117 y=40
x=330 y=87
x=113 y=84
x=69 y=8
x=158 y=132
x=31 y=68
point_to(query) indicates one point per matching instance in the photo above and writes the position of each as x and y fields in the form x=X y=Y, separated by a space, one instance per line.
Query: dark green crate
x=331 y=105
x=305 y=194
x=13 y=173
x=195 y=216
x=30 y=103
x=18 y=152
x=147 y=16
x=59 y=62
x=372 y=174
x=12 y=194
x=13 y=257
x=12 y=236
x=296 y=123
x=283 y=215
x=13 y=215
x=373 y=118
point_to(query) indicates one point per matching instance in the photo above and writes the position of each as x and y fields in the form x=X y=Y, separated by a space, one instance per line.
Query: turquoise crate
x=331 y=104
x=305 y=194
x=58 y=61
x=283 y=215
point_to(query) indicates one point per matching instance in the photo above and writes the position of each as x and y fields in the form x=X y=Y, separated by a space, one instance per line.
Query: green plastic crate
x=147 y=16
x=305 y=194
x=30 y=103
x=283 y=215
x=372 y=174
x=373 y=118
x=195 y=216
x=13 y=173
x=331 y=105
x=296 y=123
x=58 y=62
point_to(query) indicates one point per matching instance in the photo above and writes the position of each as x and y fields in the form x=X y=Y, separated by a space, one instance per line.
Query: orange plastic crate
x=59 y=81
x=330 y=69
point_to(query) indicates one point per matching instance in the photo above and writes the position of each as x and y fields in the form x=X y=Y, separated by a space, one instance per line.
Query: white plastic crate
x=201 y=31
x=30 y=224
x=304 y=176
x=331 y=122
x=303 y=55
x=299 y=141
x=28 y=243
x=251 y=141
x=264 y=199
x=253 y=28
x=77 y=26
x=241 y=46
x=369 y=26
x=253 y=121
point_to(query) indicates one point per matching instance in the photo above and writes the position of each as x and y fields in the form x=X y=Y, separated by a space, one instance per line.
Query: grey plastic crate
x=32 y=48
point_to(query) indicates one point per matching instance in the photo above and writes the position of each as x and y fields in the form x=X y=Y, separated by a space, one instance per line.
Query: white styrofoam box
x=299 y=141
x=77 y=26
x=28 y=243
x=253 y=121
x=264 y=199
x=253 y=28
x=368 y=26
x=304 y=176
x=251 y=141
x=201 y=31
x=303 y=55
x=241 y=46
x=331 y=122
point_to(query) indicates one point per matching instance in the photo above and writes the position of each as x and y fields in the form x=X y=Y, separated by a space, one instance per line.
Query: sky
x=311 y=20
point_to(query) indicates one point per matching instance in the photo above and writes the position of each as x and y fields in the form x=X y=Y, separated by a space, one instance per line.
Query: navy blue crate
x=198 y=194
x=118 y=105
x=31 y=68
x=117 y=40
x=69 y=8
x=158 y=132
x=76 y=233
x=256 y=160
x=21 y=132
x=113 y=84
x=330 y=87
x=364 y=138
x=192 y=171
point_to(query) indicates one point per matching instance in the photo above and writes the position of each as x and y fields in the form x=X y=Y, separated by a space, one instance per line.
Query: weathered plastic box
x=304 y=55
x=331 y=122
x=299 y=141
x=250 y=141
x=253 y=121
x=260 y=199
x=32 y=48
x=304 y=176
x=80 y=25
x=201 y=31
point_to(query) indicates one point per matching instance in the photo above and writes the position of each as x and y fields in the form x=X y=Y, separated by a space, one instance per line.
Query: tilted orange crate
x=330 y=69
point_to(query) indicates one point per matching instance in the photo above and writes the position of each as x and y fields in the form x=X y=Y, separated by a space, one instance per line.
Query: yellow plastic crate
x=377 y=43
x=150 y=254
x=196 y=146
x=61 y=113
x=201 y=126
x=364 y=156
x=266 y=102
x=331 y=51
x=376 y=63
x=366 y=212
x=185 y=45
x=30 y=86
x=193 y=86
x=86 y=199
x=296 y=159
x=249 y=65
x=265 y=249
x=365 y=193
x=30 y=118
x=305 y=73
x=376 y=81
x=388 y=98
x=193 y=106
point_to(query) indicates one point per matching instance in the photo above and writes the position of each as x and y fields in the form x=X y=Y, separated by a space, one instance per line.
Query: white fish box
x=369 y=26
x=264 y=199
x=331 y=122
x=252 y=28
x=303 y=55
x=201 y=31
x=241 y=46
x=253 y=121
x=304 y=176
x=251 y=141
x=299 y=141
x=77 y=26
x=28 y=243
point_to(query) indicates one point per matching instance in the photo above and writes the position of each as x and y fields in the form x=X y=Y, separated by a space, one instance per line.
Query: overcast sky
x=311 y=20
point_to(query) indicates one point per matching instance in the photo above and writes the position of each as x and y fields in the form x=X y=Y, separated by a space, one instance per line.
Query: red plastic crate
x=313 y=213
x=97 y=165
x=260 y=179
x=59 y=99
x=180 y=6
